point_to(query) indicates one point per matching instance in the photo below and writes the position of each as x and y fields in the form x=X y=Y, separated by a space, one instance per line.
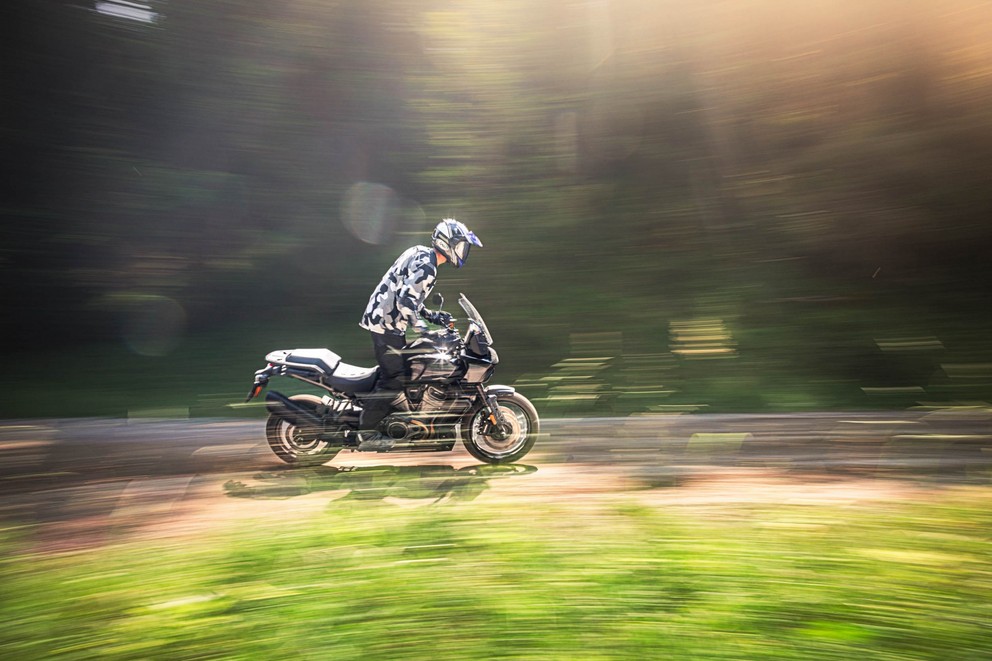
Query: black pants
x=392 y=376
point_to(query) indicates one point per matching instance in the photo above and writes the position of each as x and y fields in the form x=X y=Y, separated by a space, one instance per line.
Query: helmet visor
x=460 y=249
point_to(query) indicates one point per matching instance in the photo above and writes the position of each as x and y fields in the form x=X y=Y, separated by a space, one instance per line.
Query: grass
x=470 y=578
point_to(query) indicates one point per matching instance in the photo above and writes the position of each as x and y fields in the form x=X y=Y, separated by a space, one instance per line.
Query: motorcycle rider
x=398 y=303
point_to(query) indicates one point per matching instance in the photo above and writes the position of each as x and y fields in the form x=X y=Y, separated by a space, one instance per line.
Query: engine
x=433 y=402
x=422 y=418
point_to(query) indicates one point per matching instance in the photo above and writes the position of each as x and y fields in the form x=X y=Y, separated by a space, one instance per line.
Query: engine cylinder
x=433 y=401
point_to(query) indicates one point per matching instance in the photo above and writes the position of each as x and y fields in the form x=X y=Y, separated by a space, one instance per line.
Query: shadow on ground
x=431 y=483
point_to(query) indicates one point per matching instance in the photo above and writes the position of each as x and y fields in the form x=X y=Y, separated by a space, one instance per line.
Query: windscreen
x=474 y=315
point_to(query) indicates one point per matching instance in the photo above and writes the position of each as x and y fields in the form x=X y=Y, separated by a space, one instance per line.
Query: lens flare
x=370 y=211
x=153 y=325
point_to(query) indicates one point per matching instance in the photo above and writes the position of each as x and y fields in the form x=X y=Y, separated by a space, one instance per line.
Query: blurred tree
x=626 y=162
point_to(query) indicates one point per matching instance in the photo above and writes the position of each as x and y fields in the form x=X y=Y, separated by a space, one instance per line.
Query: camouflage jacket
x=399 y=299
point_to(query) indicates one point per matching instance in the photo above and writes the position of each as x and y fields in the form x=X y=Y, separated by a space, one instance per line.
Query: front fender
x=500 y=390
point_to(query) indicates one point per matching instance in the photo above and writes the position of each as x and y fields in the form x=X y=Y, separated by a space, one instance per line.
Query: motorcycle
x=446 y=398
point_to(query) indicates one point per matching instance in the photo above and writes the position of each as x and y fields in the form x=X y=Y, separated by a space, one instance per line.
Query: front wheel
x=297 y=445
x=513 y=440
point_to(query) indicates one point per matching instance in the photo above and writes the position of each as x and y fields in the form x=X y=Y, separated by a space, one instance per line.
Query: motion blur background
x=749 y=205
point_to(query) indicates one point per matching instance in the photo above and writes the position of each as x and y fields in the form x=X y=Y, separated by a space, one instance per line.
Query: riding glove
x=437 y=317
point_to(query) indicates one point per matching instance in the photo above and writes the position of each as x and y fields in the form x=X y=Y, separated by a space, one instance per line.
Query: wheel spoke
x=298 y=445
x=508 y=440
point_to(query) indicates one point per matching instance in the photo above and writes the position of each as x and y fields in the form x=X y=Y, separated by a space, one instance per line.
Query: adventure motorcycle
x=445 y=398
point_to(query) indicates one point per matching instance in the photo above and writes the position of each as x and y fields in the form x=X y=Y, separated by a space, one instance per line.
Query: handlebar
x=449 y=327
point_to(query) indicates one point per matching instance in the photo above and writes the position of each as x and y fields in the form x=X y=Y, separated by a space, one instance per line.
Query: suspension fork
x=495 y=415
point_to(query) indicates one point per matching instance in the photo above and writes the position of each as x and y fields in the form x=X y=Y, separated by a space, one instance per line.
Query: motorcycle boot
x=373 y=441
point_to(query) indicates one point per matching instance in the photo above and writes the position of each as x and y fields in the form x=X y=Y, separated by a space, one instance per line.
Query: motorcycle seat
x=323 y=361
x=351 y=379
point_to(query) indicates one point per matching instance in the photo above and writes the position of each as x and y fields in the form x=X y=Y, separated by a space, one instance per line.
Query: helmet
x=453 y=240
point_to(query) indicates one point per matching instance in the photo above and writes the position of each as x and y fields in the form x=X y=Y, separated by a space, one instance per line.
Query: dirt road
x=78 y=483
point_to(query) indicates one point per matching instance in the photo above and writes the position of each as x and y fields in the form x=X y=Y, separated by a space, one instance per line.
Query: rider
x=397 y=303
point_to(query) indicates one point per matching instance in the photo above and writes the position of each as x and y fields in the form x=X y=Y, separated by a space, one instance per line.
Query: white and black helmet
x=453 y=240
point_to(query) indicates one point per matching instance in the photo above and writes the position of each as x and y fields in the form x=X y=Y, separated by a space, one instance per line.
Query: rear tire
x=523 y=428
x=295 y=445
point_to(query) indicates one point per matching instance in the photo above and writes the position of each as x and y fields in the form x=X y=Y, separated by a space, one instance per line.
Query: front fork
x=495 y=423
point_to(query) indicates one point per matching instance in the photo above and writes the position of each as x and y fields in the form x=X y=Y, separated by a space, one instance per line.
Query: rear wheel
x=296 y=445
x=512 y=440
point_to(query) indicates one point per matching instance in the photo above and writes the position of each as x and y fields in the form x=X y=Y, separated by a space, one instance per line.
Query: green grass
x=474 y=579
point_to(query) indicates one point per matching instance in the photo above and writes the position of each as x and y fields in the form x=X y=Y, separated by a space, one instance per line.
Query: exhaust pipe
x=292 y=412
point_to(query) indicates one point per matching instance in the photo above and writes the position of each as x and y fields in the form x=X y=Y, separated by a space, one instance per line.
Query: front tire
x=523 y=426
x=295 y=445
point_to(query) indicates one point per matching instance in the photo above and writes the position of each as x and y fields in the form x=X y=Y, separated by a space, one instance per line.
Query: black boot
x=373 y=441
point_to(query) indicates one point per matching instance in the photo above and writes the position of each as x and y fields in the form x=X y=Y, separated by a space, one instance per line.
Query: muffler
x=293 y=413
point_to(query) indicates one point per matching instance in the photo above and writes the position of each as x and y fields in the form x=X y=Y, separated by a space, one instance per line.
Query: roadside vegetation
x=618 y=577
x=774 y=207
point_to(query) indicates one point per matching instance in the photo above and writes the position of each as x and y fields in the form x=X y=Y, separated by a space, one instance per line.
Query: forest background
x=754 y=205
